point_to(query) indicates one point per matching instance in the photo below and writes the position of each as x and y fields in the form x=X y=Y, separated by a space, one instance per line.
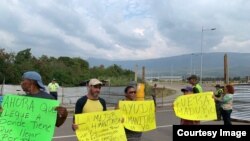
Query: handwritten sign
x=26 y=118
x=195 y=106
x=100 y=126
x=138 y=115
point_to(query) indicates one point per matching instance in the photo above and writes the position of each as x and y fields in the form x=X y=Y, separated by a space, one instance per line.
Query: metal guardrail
x=69 y=95
x=241 y=102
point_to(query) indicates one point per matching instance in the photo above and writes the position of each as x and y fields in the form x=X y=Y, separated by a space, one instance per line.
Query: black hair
x=127 y=88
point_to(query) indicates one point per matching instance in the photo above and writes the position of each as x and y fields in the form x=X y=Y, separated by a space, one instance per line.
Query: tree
x=7 y=70
x=68 y=71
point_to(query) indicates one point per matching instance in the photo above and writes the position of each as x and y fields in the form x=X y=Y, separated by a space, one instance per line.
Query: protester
x=186 y=91
x=218 y=94
x=90 y=102
x=53 y=88
x=33 y=86
x=226 y=104
x=130 y=95
x=193 y=80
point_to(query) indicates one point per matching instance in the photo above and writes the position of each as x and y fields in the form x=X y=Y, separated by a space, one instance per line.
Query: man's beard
x=95 y=95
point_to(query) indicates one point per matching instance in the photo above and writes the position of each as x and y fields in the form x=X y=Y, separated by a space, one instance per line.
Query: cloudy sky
x=124 y=29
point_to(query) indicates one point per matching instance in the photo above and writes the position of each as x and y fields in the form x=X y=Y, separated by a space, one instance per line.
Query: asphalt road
x=165 y=118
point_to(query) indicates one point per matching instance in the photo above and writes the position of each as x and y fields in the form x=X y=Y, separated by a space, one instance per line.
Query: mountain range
x=212 y=64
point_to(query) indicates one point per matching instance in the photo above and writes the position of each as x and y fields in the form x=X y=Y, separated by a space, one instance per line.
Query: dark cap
x=192 y=77
x=32 y=75
x=187 y=89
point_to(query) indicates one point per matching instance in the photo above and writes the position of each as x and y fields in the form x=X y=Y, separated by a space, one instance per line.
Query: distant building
x=164 y=78
x=248 y=79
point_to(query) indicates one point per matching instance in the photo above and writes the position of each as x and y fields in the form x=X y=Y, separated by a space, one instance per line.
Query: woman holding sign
x=186 y=91
x=130 y=95
x=226 y=104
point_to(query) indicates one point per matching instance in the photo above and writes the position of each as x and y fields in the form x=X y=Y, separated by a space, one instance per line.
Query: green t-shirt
x=219 y=93
x=197 y=88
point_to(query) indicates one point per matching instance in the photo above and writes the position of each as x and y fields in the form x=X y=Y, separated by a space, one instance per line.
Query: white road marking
x=162 y=111
x=70 y=136
x=164 y=126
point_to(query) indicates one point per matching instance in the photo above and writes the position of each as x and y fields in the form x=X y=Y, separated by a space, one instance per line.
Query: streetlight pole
x=191 y=64
x=202 y=30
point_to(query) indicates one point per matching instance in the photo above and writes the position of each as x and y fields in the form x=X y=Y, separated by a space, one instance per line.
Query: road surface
x=165 y=118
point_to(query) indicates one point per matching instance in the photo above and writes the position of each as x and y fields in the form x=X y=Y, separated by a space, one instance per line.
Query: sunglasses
x=132 y=92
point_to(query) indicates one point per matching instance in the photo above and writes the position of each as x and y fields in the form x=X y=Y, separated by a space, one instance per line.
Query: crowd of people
x=33 y=86
x=223 y=97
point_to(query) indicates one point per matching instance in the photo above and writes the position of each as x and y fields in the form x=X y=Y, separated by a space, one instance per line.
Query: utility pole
x=143 y=74
x=136 y=68
x=202 y=30
x=226 y=77
x=191 y=64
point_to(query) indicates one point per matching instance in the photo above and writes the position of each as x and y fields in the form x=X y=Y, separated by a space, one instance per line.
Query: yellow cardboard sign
x=100 y=126
x=199 y=106
x=138 y=115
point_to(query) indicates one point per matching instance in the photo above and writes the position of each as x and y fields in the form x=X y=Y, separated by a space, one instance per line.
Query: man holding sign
x=90 y=102
x=33 y=86
x=31 y=117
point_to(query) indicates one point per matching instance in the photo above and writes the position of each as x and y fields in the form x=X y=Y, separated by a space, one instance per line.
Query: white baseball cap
x=94 y=81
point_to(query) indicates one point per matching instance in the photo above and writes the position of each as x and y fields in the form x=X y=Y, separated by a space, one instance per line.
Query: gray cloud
x=122 y=30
